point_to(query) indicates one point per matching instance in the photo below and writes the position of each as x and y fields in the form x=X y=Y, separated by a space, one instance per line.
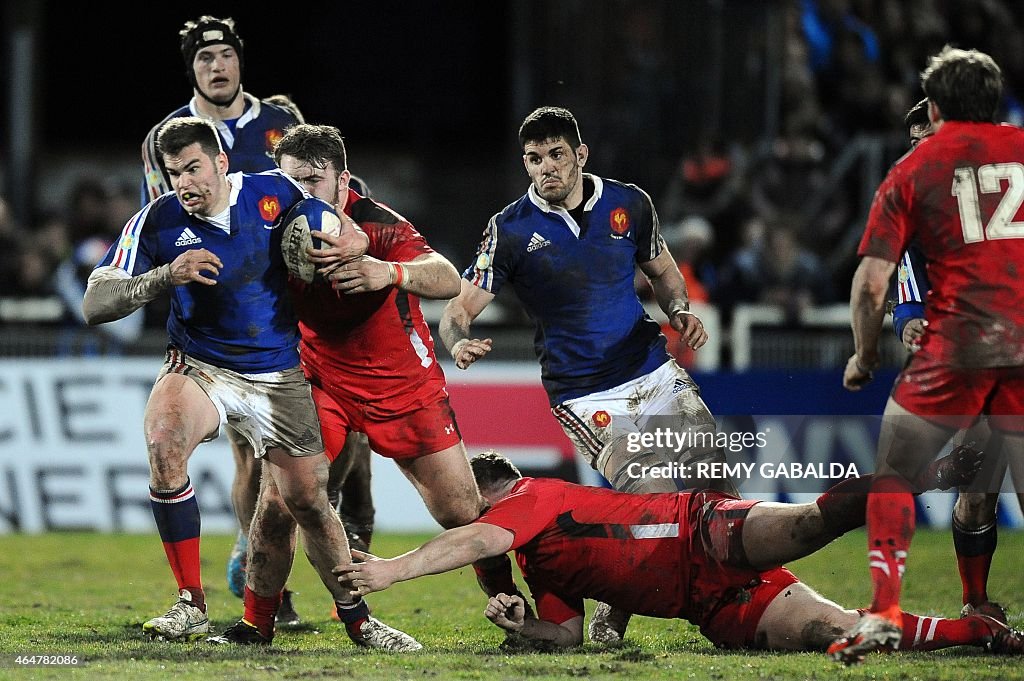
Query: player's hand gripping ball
x=305 y=216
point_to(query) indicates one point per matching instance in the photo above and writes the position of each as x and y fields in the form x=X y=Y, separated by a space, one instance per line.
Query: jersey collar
x=545 y=206
x=252 y=111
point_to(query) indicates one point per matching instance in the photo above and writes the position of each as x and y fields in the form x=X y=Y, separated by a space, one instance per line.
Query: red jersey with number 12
x=960 y=195
x=376 y=345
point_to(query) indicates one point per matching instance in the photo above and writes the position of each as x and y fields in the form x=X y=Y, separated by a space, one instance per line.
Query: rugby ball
x=305 y=216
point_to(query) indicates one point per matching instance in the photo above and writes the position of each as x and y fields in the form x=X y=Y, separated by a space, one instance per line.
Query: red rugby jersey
x=376 y=345
x=574 y=542
x=959 y=194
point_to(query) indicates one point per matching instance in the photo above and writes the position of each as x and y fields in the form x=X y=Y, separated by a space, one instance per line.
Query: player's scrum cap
x=207 y=31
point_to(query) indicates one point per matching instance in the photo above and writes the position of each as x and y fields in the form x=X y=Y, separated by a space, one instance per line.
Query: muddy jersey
x=249 y=142
x=245 y=322
x=376 y=344
x=574 y=542
x=575 y=280
x=959 y=196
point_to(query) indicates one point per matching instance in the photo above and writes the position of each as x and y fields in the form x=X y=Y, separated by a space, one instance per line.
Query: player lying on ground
x=706 y=557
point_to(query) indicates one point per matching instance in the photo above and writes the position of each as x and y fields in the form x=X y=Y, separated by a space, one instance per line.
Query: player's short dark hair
x=549 y=123
x=917 y=115
x=178 y=133
x=966 y=85
x=313 y=144
x=492 y=470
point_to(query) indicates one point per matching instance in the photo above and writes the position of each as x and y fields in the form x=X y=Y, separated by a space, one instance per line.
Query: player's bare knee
x=975 y=509
x=167 y=439
x=817 y=634
x=307 y=504
x=458 y=515
x=168 y=458
x=275 y=522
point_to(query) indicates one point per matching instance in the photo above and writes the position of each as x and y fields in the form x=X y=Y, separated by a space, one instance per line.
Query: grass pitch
x=88 y=595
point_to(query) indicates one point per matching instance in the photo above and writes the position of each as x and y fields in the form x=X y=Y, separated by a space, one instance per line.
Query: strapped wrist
x=679 y=307
x=457 y=346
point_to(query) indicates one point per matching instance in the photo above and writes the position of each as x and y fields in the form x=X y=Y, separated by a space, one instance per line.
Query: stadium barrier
x=72 y=453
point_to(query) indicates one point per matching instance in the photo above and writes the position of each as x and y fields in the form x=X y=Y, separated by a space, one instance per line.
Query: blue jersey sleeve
x=492 y=265
x=134 y=251
x=649 y=243
x=910 y=290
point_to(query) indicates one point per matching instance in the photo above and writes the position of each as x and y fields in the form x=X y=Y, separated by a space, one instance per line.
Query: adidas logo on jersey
x=537 y=242
x=187 y=238
x=679 y=386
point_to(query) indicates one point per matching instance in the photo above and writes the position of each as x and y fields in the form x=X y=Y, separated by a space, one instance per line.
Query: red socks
x=843 y=506
x=930 y=633
x=974 y=549
x=260 y=611
x=176 y=513
x=890 y=517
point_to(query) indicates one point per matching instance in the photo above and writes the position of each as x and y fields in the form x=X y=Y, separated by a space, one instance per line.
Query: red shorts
x=413 y=427
x=727 y=598
x=956 y=397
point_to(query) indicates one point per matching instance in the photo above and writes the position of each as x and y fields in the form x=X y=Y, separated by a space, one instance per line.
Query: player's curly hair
x=313 y=144
x=492 y=470
x=917 y=115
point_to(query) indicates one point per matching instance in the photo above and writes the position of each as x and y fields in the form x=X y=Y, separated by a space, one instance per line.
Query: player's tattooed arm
x=456 y=320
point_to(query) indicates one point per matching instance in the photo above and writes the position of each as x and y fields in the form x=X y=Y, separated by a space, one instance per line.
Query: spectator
x=779 y=272
x=69 y=283
x=87 y=209
x=690 y=242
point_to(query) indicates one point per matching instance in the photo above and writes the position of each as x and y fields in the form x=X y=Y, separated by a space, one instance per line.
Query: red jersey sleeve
x=401 y=243
x=526 y=512
x=889 y=228
x=392 y=237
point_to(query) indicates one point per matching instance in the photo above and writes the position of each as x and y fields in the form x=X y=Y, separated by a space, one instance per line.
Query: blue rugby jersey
x=576 y=283
x=245 y=323
x=910 y=289
x=249 y=144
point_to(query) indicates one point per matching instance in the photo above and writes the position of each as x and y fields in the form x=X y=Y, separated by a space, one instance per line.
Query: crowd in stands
x=770 y=222
x=53 y=257
x=776 y=227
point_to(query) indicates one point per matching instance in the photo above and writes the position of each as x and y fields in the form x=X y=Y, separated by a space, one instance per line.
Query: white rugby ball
x=306 y=216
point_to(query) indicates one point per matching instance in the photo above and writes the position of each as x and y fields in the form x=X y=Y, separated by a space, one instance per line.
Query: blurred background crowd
x=760 y=129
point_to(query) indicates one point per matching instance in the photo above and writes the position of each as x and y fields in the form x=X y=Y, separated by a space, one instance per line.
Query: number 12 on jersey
x=989 y=180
